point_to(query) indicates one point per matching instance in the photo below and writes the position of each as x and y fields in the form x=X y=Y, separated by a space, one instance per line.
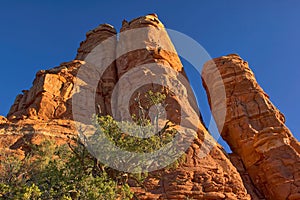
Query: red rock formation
x=255 y=129
x=15 y=136
x=266 y=154
x=49 y=97
x=46 y=110
x=145 y=40
x=100 y=47
x=94 y=38
x=209 y=177
x=3 y=120
x=252 y=190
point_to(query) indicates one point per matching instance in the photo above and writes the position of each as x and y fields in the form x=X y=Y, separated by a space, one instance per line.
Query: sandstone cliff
x=255 y=129
x=143 y=58
x=209 y=177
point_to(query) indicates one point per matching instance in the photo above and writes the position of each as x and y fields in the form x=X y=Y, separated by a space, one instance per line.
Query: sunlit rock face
x=209 y=177
x=140 y=58
x=255 y=129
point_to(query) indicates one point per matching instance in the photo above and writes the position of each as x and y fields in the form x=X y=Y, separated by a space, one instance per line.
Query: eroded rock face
x=252 y=190
x=94 y=38
x=212 y=177
x=99 y=48
x=265 y=153
x=145 y=40
x=209 y=177
x=50 y=95
x=3 y=120
x=46 y=109
x=15 y=136
x=255 y=129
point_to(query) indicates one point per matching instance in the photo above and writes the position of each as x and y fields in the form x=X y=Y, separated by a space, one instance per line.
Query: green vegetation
x=71 y=172
x=64 y=173
x=116 y=133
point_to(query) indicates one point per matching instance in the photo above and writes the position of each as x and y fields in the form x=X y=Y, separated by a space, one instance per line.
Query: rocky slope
x=143 y=58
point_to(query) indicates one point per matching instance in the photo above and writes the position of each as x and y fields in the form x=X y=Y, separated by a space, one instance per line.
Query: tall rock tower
x=255 y=129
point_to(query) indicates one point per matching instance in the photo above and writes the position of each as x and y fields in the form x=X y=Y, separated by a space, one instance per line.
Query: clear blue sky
x=38 y=35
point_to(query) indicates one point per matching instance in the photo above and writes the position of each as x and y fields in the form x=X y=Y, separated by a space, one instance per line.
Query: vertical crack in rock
x=255 y=129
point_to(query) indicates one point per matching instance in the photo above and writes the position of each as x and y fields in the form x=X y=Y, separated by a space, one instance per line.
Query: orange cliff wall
x=254 y=128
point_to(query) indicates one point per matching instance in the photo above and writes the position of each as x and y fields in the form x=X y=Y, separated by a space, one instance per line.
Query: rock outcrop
x=209 y=177
x=49 y=97
x=3 y=120
x=94 y=38
x=15 y=137
x=252 y=190
x=143 y=58
x=46 y=109
x=255 y=129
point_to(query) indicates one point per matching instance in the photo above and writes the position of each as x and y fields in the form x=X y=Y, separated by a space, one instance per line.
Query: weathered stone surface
x=151 y=45
x=15 y=136
x=255 y=129
x=209 y=177
x=265 y=163
x=94 y=38
x=100 y=74
x=3 y=120
x=50 y=95
x=152 y=63
x=252 y=190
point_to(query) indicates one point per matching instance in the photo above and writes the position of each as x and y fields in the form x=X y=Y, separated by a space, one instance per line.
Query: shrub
x=70 y=171
x=67 y=176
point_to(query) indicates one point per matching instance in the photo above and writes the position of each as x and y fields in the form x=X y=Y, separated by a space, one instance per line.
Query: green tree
x=72 y=171
x=64 y=173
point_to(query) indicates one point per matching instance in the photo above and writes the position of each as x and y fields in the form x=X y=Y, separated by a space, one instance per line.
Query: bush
x=70 y=171
x=64 y=173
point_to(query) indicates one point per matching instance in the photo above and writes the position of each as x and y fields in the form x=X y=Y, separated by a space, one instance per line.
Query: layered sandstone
x=254 y=192
x=211 y=176
x=145 y=49
x=99 y=53
x=254 y=128
x=3 y=120
x=94 y=38
x=50 y=95
x=145 y=40
x=119 y=71
x=147 y=60
x=16 y=137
